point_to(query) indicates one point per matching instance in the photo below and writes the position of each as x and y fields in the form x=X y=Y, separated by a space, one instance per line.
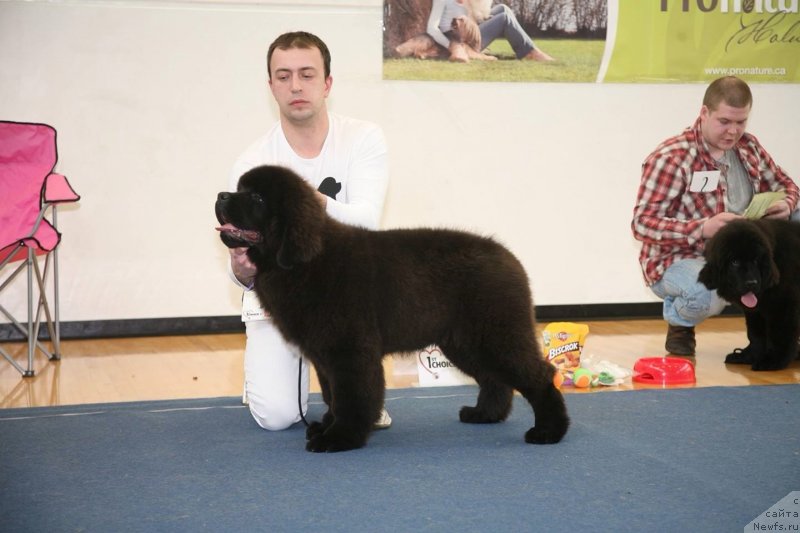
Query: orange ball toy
x=582 y=378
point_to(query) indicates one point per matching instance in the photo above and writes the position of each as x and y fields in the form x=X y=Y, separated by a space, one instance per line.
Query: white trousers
x=271 y=368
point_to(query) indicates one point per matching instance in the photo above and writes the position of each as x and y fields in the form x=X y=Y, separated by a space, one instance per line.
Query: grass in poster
x=577 y=60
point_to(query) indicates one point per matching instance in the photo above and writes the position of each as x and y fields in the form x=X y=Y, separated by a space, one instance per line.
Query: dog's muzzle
x=232 y=236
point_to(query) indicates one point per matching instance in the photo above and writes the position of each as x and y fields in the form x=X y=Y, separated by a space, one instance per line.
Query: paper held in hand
x=761 y=202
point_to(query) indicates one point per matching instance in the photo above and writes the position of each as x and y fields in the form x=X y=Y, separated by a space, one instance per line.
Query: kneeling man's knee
x=700 y=303
x=274 y=417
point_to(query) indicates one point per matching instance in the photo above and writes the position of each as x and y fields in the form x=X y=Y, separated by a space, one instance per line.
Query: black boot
x=680 y=340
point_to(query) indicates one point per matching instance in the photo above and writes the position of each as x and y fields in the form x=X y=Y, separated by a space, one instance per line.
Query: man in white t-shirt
x=346 y=161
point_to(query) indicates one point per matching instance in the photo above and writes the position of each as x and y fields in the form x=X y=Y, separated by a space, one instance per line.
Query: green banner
x=700 y=40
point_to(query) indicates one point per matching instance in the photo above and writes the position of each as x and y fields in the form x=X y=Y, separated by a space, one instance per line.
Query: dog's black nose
x=751 y=283
x=223 y=196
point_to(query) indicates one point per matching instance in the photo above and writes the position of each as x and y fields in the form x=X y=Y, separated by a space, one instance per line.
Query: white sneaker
x=384 y=421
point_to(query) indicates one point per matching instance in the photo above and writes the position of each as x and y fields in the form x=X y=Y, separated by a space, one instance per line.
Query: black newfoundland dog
x=756 y=265
x=347 y=296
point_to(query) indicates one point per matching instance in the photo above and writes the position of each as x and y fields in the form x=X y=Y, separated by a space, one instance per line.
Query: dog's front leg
x=317 y=428
x=356 y=391
x=757 y=345
x=782 y=333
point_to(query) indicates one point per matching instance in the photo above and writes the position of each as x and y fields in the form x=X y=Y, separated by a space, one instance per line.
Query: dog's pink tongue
x=749 y=300
x=248 y=235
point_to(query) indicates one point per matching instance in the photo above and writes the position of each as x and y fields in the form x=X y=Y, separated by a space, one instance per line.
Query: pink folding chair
x=29 y=193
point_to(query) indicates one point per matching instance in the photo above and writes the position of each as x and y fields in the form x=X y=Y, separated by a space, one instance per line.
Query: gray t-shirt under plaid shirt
x=740 y=190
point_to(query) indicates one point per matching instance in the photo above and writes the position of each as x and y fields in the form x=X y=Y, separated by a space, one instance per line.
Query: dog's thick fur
x=756 y=265
x=346 y=296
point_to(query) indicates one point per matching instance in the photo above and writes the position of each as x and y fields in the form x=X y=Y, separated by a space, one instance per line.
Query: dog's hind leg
x=498 y=372
x=550 y=411
x=494 y=403
x=532 y=376
x=494 y=398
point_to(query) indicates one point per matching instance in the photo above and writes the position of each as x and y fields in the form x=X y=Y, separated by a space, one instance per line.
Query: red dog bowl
x=663 y=371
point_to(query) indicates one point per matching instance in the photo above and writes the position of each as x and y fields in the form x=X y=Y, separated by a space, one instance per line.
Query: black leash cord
x=300 y=392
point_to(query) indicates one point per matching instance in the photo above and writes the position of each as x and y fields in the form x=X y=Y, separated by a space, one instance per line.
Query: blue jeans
x=687 y=302
x=503 y=23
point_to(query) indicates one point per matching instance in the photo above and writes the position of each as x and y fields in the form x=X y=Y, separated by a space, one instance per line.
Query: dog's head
x=467 y=32
x=739 y=263
x=275 y=213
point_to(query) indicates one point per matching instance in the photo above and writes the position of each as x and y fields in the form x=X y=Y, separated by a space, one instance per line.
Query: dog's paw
x=770 y=362
x=471 y=415
x=314 y=429
x=739 y=356
x=324 y=443
x=537 y=435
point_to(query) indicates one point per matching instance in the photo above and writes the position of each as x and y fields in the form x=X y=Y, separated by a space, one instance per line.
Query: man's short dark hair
x=300 y=39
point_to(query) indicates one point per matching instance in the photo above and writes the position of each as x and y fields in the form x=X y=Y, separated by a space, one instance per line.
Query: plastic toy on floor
x=606 y=373
x=663 y=371
x=583 y=378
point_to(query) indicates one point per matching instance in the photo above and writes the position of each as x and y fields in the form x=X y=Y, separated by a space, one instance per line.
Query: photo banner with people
x=637 y=41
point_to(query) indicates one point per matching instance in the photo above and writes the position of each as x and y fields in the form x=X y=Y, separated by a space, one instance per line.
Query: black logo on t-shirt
x=330 y=187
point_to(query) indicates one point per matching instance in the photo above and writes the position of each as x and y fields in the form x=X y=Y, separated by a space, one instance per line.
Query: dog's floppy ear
x=708 y=276
x=770 y=275
x=300 y=224
x=764 y=243
x=710 y=273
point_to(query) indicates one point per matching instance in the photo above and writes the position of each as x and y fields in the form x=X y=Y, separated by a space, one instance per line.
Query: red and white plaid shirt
x=668 y=218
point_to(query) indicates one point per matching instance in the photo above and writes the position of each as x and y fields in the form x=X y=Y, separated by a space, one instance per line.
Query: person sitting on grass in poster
x=500 y=21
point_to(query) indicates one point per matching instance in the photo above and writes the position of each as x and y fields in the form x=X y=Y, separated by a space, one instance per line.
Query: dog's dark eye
x=735 y=262
x=256 y=197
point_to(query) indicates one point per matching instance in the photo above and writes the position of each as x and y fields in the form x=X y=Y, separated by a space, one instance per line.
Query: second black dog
x=756 y=265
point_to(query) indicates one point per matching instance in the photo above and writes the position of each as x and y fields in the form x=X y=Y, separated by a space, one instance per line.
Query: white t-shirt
x=354 y=155
x=354 y=162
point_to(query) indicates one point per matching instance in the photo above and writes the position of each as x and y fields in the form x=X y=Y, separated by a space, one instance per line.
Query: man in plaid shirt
x=692 y=185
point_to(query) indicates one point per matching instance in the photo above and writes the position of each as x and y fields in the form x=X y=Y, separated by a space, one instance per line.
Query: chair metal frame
x=31 y=265
x=27 y=249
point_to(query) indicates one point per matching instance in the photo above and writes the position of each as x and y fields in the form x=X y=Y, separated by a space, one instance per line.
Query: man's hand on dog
x=779 y=210
x=715 y=223
x=243 y=268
